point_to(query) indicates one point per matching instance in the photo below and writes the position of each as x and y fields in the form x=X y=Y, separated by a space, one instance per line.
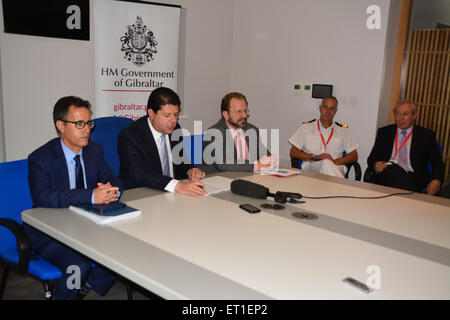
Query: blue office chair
x=297 y=163
x=105 y=132
x=15 y=246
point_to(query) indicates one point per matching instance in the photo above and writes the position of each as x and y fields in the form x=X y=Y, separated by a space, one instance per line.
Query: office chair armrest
x=369 y=175
x=357 y=168
x=23 y=243
x=294 y=163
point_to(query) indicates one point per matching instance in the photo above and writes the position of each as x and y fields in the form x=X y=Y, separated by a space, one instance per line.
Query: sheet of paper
x=217 y=184
x=279 y=173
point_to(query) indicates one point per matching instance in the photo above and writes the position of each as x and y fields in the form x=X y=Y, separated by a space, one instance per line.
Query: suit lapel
x=148 y=140
x=89 y=167
x=60 y=165
x=391 y=140
x=414 y=142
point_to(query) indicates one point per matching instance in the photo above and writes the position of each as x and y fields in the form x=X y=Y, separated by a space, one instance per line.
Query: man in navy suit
x=70 y=170
x=402 y=152
x=145 y=149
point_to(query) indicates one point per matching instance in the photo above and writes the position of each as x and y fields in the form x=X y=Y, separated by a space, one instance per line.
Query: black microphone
x=257 y=191
x=250 y=189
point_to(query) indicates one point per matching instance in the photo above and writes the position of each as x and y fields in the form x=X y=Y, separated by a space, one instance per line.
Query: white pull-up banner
x=136 y=51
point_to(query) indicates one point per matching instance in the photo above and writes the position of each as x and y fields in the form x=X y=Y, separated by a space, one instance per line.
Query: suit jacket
x=49 y=178
x=256 y=150
x=140 y=164
x=424 y=149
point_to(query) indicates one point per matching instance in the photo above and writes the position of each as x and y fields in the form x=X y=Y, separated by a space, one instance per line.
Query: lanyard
x=401 y=146
x=323 y=140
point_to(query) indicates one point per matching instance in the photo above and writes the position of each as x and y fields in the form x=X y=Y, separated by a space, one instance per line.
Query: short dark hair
x=61 y=108
x=162 y=96
x=225 y=104
x=330 y=97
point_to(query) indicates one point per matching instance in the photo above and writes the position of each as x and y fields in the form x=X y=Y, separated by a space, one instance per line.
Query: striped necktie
x=402 y=153
x=164 y=157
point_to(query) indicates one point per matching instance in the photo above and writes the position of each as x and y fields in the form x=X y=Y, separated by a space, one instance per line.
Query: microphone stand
x=283 y=197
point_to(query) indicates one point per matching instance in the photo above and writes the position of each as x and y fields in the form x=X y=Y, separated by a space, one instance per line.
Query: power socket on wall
x=301 y=89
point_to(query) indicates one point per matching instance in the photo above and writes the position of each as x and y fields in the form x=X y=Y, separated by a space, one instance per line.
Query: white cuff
x=171 y=185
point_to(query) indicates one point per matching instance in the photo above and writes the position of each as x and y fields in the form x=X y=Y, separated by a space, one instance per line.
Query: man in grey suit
x=233 y=144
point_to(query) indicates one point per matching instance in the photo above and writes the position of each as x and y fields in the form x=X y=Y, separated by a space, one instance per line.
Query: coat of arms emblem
x=138 y=43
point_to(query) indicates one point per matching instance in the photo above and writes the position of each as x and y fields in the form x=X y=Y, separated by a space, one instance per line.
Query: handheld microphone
x=250 y=189
x=257 y=191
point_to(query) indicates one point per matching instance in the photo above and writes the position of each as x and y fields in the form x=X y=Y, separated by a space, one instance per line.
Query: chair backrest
x=105 y=132
x=429 y=163
x=14 y=196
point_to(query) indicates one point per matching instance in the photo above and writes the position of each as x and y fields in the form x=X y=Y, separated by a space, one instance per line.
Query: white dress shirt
x=157 y=137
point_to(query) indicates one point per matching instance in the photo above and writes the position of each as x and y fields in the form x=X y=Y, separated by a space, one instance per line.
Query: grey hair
x=402 y=102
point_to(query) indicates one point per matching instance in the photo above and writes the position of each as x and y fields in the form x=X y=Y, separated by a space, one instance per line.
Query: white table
x=185 y=247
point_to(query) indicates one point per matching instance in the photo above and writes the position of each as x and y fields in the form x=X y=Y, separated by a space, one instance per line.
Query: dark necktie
x=78 y=173
x=164 y=157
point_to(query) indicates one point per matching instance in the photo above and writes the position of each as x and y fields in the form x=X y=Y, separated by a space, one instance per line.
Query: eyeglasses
x=81 y=124
x=241 y=112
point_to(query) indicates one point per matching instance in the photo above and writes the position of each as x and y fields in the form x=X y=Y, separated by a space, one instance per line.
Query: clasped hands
x=105 y=193
x=324 y=156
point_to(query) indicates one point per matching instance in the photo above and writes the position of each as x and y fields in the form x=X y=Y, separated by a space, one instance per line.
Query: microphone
x=257 y=191
x=250 y=189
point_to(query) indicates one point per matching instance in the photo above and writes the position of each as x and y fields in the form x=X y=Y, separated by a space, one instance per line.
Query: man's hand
x=434 y=187
x=192 y=188
x=324 y=156
x=196 y=174
x=105 y=193
x=379 y=166
x=266 y=162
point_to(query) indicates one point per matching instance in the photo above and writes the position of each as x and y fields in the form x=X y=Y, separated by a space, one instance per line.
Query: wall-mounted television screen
x=320 y=91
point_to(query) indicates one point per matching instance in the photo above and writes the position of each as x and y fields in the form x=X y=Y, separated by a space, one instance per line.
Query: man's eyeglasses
x=81 y=124
x=241 y=112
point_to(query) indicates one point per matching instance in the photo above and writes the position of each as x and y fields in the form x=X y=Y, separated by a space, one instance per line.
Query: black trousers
x=396 y=177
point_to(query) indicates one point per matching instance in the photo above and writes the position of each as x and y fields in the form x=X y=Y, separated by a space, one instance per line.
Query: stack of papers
x=216 y=184
x=116 y=215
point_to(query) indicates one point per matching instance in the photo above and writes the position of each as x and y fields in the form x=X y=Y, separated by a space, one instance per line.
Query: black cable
x=351 y=197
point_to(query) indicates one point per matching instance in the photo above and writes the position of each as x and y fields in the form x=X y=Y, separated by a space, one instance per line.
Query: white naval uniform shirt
x=307 y=138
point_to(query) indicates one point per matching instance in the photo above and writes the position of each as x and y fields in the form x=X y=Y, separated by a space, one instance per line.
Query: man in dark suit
x=233 y=144
x=402 y=152
x=70 y=170
x=145 y=149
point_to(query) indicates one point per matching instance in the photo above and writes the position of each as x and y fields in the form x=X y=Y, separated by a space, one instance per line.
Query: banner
x=136 y=51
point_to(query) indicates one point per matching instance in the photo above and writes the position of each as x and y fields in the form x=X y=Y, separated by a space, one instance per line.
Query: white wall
x=207 y=59
x=279 y=43
x=259 y=48
x=36 y=72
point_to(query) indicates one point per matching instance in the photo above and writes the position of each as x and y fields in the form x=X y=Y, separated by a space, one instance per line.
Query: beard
x=241 y=123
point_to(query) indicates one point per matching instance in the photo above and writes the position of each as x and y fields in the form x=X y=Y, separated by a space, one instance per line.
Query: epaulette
x=341 y=125
x=306 y=122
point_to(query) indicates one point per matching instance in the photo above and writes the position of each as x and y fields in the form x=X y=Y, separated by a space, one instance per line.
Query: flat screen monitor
x=320 y=91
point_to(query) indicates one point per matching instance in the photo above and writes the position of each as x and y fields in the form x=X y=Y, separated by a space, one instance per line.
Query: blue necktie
x=402 y=153
x=78 y=173
x=164 y=157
